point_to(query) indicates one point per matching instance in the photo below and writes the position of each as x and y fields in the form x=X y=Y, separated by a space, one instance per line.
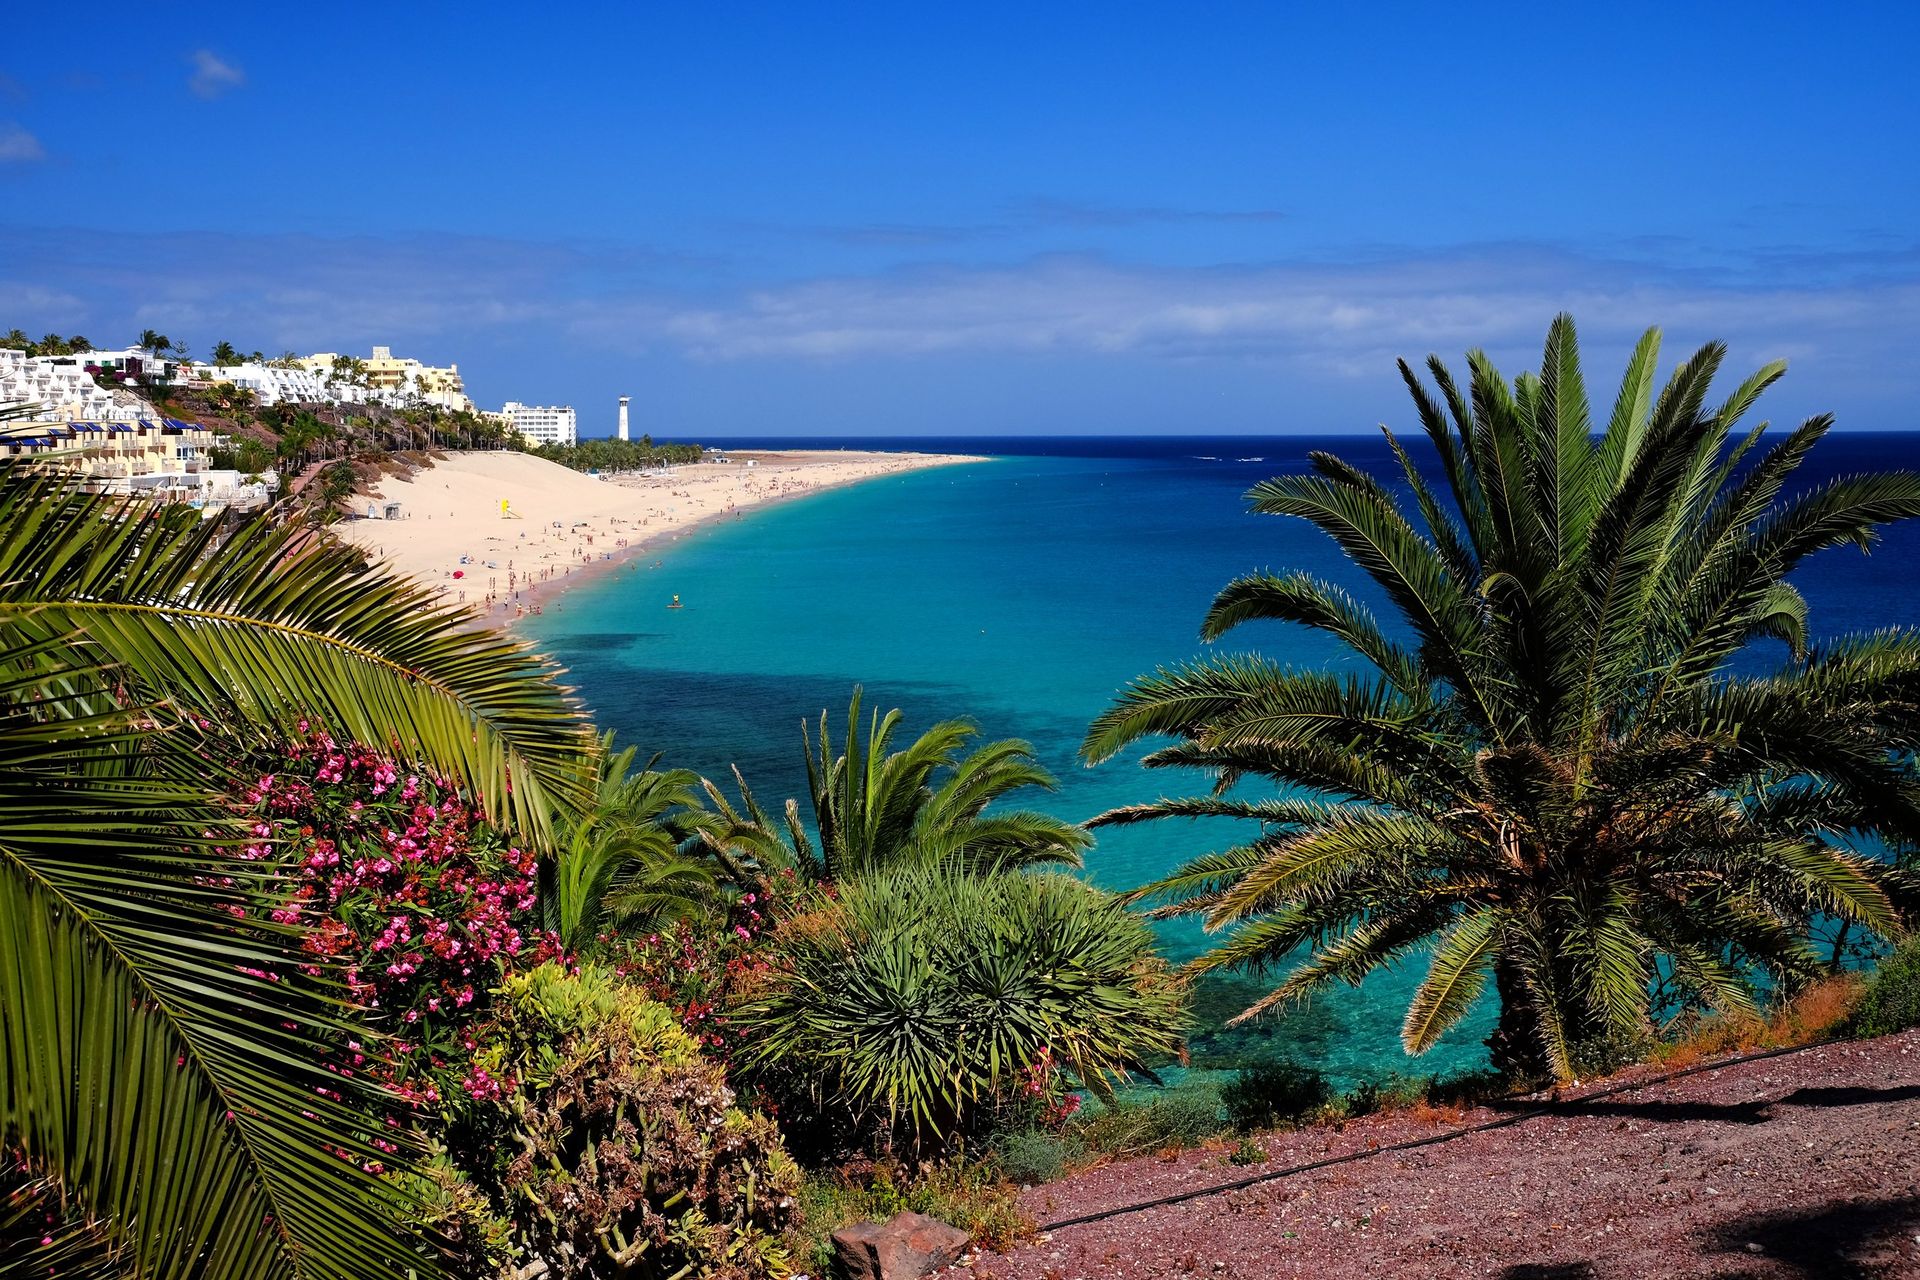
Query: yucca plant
x=1548 y=773
x=920 y=995
x=876 y=808
x=147 y=1071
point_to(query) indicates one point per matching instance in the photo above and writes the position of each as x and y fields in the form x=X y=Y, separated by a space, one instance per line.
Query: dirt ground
x=1801 y=1166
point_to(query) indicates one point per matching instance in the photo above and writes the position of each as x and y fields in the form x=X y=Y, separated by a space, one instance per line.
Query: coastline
x=506 y=534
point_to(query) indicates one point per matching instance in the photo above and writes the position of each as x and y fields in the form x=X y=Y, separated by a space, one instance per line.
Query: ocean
x=1023 y=592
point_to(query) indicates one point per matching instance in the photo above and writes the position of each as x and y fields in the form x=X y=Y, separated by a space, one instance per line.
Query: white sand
x=561 y=524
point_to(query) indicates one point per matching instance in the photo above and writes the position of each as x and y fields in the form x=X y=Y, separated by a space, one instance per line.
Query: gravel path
x=1802 y=1166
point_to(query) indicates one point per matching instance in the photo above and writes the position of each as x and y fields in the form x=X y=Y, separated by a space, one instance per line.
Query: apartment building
x=60 y=387
x=165 y=457
x=392 y=380
x=542 y=424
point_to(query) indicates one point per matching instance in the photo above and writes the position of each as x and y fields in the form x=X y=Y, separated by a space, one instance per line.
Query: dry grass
x=1815 y=1014
x=1433 y=1113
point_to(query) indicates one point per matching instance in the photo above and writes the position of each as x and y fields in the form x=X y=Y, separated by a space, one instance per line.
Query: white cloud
x=1338 y=319
x=212 y=74
x=1849 y=319
x=17 y=146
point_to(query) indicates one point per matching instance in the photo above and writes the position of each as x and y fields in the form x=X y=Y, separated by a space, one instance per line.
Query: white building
x=385 y=379
x=542 y=424
x=60 y=388
x=160 y=458
x=272 y=384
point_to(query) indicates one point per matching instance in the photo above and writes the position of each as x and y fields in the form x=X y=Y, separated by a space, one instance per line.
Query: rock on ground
x=908 y=1246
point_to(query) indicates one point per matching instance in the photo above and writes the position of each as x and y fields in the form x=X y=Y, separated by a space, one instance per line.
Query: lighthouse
x=623 y=417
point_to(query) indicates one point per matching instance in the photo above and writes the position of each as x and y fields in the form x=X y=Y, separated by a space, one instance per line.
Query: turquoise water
x=1023 y=592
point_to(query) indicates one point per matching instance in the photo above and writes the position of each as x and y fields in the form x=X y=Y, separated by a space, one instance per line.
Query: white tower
x=623 y=417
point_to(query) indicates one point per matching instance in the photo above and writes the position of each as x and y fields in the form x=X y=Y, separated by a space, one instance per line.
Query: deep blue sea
x=1023 y=592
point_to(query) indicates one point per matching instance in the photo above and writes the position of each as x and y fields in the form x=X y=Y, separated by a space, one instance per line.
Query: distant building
x=161 y=456
x=60 y=387
x=272 y=384
x=396 y=381
x=542 y=424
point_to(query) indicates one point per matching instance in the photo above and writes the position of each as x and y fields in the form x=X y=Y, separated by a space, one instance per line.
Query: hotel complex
x=62 y=388
x=403 y=378
x=555 y=424
x=154 y=457
x=86 y=408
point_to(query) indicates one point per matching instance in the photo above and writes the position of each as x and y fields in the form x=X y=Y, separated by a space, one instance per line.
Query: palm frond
x=146 y=1062
x=268 y=626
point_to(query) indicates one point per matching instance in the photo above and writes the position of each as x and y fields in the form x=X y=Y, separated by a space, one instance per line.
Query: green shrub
x=1273 y=1094
x=1602 y=1054
x=1183 y=1117
x=1033 y=1156
x=1247 y=1151
x=922 y=999
x=594 y=1141
x=1891 y=1001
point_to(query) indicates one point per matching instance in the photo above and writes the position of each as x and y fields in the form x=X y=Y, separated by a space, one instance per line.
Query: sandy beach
x=503 y=531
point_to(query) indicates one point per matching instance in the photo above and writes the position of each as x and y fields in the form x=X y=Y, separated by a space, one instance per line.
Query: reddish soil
x=1801 y=1166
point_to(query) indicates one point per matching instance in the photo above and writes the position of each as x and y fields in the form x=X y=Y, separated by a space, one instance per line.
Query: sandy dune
x=557 y=525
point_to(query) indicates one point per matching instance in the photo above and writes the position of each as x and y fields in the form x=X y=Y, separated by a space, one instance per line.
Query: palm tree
x=144 y=1070
x=1549 y=772
x=877 y=809
x=635 y=859
x=224 y=354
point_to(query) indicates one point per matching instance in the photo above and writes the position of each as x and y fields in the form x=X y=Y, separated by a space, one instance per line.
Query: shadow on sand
x=1758 y=1111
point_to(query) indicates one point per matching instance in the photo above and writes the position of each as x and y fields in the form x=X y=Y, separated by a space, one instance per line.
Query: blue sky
x=825 y=219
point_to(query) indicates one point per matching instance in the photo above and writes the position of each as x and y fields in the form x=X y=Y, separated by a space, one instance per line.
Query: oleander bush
x=400 y=886
x=573 y=1121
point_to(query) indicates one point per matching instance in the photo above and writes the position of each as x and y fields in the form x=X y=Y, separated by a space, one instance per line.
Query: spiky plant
x=146 y=1069
x=876 y=808
x=637 y=858
x=921 y=994
x=1549 y=773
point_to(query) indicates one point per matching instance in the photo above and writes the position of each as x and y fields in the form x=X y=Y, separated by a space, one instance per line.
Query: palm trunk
x=1516 y=1045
